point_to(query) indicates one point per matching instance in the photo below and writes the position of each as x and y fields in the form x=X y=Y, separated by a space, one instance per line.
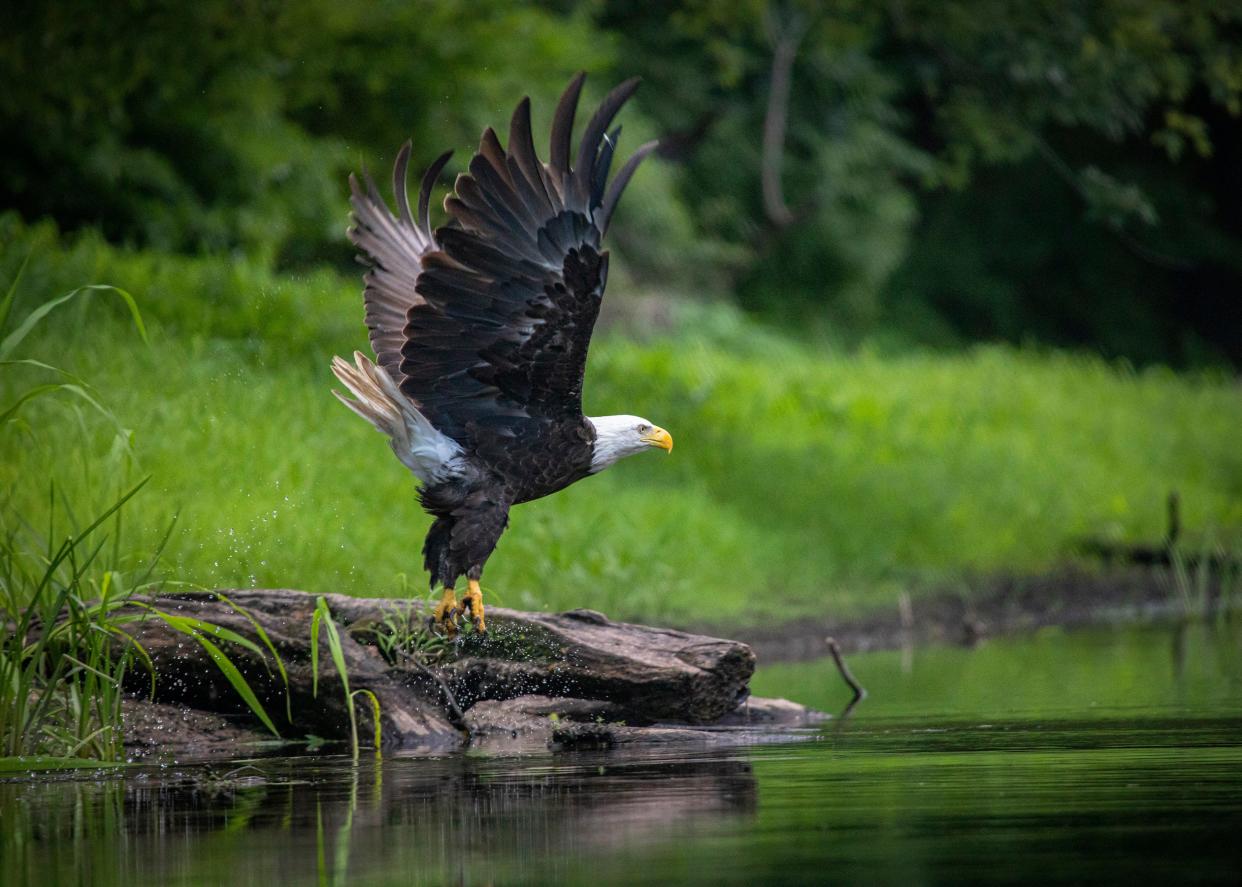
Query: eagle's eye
x=643 y=429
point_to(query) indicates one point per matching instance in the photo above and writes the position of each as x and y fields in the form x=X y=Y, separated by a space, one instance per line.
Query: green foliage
x=202 y=632
x=833 y=478
x=60 y=680
x=163 y=123
x=231 y=126
x=322 y=618
x=233 y=298
x=913 y=126
x=67 y=590
x=1103 y=135
x=402 y=636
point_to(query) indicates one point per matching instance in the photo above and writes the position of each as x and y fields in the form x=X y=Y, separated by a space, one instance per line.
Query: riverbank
x=576 y=680
x=534 y=681
x=1118 y=746
x=1070 y=596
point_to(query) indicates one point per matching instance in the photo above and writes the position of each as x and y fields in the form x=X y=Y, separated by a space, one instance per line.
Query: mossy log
x=563 y=680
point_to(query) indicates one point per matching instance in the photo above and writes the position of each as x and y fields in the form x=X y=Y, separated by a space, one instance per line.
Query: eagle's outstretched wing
x=393 y=247
x=511 y=289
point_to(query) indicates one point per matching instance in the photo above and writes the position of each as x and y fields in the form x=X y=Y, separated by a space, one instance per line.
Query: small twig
x=905 y=611
x=1175 y=520
x=1128 y=240
x=451 y=708
x=859 y=692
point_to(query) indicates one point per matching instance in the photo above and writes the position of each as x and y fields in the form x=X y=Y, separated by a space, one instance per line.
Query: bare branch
x=785 y=37
x=846 y=675
x=1127 y=240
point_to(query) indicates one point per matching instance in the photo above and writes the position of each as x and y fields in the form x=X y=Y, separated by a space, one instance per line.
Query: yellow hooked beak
x=658 y=437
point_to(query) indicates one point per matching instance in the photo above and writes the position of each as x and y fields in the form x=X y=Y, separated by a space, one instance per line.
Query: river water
x=1098 y=755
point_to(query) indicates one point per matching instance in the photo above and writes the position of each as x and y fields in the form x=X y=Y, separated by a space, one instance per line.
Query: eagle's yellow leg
x=472 y=605
x=446 y=610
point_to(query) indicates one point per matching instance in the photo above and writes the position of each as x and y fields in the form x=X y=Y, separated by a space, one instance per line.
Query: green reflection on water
x=1101 y=755
x=1097 y=673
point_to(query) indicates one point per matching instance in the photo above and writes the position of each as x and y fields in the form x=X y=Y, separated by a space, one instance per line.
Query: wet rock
x=760 y=712
x=159 y=728
x=530 y=723
x=649 y=673
x=187 y=676
x=570 y=680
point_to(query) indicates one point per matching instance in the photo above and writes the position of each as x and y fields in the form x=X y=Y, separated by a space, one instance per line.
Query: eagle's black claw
x=446 y=627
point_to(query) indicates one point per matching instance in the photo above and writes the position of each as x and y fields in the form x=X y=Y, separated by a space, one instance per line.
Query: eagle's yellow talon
x=472 y=605
x=442 y=618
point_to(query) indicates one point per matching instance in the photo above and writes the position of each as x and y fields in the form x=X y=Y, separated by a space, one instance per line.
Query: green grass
x=802 y=480
x=68 y=586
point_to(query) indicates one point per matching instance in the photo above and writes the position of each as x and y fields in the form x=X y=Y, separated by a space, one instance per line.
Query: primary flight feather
x=481 y=329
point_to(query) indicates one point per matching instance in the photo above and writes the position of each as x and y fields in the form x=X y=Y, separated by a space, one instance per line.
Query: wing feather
x=529 y=174
x=510 y=292
x=592 y=136
x=563 y=125
x=392 y=247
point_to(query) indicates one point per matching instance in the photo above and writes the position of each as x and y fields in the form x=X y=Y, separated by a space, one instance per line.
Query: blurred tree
x=1108 y=117
x=231 y=124
x=1064 y=170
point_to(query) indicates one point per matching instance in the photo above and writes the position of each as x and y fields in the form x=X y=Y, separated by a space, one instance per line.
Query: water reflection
x=1101 y=672
x=1113 y=754
x=300 y=820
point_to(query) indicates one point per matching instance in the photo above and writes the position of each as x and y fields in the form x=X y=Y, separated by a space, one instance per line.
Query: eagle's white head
x=618 y=436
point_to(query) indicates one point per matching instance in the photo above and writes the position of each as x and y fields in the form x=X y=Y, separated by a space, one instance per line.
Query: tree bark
x=785 y=37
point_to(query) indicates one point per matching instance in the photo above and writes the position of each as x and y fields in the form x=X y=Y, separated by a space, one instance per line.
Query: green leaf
x=28 y=395
x=32 y=319
x=226 y=666
x=132 y=643
x=267 y=641
x=77 y=390
x=189 y=624
x=238 y=681
x=30 y=361
x=315 y=619
x=375 y=711
x=9 y=296
x=334 y=647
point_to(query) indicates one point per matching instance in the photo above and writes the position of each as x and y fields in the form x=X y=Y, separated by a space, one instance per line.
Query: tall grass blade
x=267 y=642
x=334 y=648
x=375 y=715
x=316 y=618
x=191 y=624
x=7 y=304
x=323 y=616
x=13 y=339
x=226 y=666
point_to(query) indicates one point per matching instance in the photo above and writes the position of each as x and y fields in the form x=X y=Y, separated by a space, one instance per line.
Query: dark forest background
x=911 y=172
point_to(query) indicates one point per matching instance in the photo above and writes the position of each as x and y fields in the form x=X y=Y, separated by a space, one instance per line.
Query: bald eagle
x=481 y=328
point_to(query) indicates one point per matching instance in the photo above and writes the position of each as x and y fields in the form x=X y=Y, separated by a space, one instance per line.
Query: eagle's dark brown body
x=484 y=325
x=472 y=510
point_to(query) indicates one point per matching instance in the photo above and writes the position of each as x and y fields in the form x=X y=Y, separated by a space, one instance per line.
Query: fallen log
x=559 y=680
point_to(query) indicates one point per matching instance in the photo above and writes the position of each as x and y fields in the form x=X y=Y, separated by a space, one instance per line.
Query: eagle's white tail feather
x=418 y=444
